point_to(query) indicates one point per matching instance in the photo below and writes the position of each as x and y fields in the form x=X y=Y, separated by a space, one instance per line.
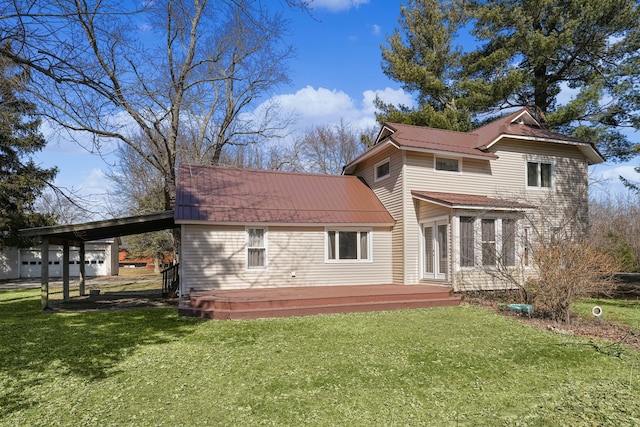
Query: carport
x=75 y=235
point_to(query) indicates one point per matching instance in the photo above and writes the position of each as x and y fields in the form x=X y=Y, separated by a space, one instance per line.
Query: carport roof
x=97 y=230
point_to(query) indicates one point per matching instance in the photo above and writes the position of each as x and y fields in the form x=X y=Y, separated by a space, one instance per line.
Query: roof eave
x=350 y=167
x=590 y=152
x=473 y=207
x=281 y=224
x=484 y=156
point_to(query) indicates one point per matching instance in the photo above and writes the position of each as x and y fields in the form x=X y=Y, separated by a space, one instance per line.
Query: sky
x=335 y=75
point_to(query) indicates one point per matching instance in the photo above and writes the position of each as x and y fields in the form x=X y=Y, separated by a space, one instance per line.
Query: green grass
x=622 y=310
x=446 y=366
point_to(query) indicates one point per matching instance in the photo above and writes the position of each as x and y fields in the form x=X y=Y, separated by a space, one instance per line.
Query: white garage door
x=31 y=263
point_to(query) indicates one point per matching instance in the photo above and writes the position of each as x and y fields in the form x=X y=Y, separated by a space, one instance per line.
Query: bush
x=568 y=271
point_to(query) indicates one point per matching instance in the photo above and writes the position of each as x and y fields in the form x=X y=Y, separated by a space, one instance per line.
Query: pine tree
x=522 y=53
x=423 y=58
x=21 y=180
x=531 y=50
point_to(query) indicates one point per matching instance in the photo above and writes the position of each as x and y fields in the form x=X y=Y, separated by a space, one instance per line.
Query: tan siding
x=390 y=193
x=504 y=177
x=214 y=257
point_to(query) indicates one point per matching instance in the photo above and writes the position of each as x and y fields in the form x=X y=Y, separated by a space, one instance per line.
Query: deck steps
x=304 y=301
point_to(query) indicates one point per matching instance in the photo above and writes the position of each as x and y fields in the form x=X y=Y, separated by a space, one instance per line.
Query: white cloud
x=604 y=179
x=337 y=5
x=321 y=106
x=375 y=29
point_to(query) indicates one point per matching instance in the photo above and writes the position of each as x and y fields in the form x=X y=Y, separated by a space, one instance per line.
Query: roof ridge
x=431 y=128
x=255 y=170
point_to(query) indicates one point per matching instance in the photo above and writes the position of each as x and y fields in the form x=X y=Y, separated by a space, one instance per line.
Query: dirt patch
x=613 y=332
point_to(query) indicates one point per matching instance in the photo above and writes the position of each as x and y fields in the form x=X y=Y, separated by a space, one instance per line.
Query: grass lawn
x=622 y=310
x=445 y=366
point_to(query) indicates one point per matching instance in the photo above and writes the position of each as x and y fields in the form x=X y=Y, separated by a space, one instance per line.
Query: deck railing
x=170 y=279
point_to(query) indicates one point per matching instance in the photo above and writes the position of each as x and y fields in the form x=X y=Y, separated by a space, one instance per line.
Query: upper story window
x=382 y=169
x=539 y=174
x=256 y=248
x=348 y=245
x=447 y=164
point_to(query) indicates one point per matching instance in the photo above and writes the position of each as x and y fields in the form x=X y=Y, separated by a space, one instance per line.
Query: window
x=348 y=245
x=467 y=258
x=538 y=174
x=447 y=164
x=497 y=242
x=488 y=242
x=382 y=169
x=256 y=248
x=509 y=242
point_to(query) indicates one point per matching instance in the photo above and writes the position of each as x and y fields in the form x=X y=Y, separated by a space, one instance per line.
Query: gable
x=520 y=125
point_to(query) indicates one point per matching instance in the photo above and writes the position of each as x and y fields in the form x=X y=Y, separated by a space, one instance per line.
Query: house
x=101 y=259
x=421 y=206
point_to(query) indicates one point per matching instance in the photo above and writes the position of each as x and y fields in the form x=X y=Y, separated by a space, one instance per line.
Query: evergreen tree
x=423 y=58
x=531 y=50
x=522 y=53
x=21 y=180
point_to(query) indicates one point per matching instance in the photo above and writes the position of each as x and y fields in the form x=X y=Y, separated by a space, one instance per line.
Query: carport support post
x=65 y=271
x=82 y=269
x=44 y=274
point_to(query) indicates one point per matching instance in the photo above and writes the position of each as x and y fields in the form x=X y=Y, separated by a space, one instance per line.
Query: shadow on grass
x=39 y=347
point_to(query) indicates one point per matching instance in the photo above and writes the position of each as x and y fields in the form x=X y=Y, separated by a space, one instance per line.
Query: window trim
x=499 y=242
x=358 y=259
x=265 y=248
x=539 y=162
x=375 y=170
x=435 y=163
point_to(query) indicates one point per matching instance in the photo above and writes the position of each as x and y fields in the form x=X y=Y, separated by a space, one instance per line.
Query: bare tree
x=116 y=72
x=326 y=149
x=615 y=228
x=64 y=206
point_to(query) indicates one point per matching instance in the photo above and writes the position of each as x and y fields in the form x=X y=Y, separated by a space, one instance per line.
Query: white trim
x=285 y=224
x=581 y=145
x=472 y=207
x=358 y=260
x=265 y=237
x=377 y=178
x=441 y=153
x=540 y=160
x=367 y=154
x=458 y=159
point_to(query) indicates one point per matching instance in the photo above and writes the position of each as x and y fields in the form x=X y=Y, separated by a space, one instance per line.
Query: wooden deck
x=304 y=301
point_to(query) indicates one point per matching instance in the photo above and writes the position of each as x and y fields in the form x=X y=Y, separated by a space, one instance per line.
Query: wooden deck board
x=302 y=301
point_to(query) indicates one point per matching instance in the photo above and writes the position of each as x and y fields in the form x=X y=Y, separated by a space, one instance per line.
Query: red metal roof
x=455 y=200
x=431 y=139
x=520 y=124
x=222 y=194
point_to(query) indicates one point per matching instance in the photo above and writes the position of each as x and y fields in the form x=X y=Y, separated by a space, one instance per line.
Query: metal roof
x=229 y=195
x=518 y=125
x=96 y=230
x=469 y=201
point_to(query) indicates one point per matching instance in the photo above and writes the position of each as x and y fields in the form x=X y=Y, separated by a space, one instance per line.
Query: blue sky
x=335 y=75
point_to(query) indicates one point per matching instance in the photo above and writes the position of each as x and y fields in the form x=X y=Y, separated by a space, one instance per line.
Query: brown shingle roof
x=221 y=194
x=470 y=201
